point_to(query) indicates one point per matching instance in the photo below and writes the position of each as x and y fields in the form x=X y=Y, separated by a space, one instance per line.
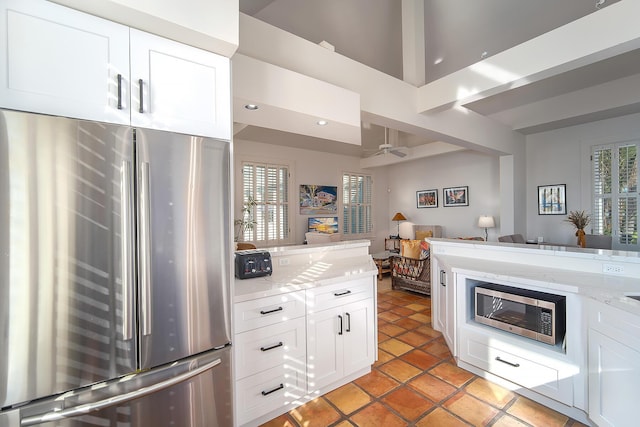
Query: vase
x=582 y=241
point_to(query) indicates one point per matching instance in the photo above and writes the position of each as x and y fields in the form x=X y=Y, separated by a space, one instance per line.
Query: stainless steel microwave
x=537 y=315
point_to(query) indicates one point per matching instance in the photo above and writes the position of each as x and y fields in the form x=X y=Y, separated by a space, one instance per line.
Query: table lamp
x=486 y=222
x=397 y=218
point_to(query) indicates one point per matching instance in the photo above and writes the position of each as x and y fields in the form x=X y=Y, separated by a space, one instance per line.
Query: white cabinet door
x=59 y=61
x=614 y=382
x=443 y=302
x=325 y=347
x=359 y=337
x=179 y=88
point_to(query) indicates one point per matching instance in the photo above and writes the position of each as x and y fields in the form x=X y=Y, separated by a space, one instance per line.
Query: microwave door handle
x=126 y=254
x=145 y=243
x=116 y=400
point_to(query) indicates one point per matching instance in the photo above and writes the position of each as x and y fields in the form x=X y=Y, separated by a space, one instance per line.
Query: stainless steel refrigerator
x=114 y=275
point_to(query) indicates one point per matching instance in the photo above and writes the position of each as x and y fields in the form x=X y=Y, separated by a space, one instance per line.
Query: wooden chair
x=411 y=274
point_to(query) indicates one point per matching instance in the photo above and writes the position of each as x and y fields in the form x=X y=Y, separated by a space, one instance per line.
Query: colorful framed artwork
x=552 y=199
x=318 y=199
x=427 y=199
x=455 y=196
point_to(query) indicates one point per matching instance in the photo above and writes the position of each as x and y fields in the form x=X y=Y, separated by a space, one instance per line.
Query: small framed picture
x=552 y=199
x=427 y=199
x=455 y=196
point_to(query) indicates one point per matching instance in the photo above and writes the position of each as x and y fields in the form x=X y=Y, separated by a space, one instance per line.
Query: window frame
x=264 y=204
x=603 y=201
x=348 y=206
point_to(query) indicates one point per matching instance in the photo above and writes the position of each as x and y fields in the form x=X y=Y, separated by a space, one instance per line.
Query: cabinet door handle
x=348 y=322
x=340 y=294
x=273 y=390
x=443 y=277
x=515 y=365
x=271 y=311
x=119 y=91
x=280 y=344
x=141 y=89
x=340 y=317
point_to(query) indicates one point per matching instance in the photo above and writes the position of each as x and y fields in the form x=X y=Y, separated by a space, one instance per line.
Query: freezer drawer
x=195 y=392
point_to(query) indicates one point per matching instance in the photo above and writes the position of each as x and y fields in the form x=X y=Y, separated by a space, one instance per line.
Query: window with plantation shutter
x=356 y=204
x=265 y=188
x=615 y=193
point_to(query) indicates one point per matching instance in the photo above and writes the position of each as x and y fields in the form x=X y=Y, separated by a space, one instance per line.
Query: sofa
x=313 y=237
x=411 y=268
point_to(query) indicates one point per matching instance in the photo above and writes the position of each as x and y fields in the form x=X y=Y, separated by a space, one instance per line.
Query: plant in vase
x=246 y=222
x=579 y=219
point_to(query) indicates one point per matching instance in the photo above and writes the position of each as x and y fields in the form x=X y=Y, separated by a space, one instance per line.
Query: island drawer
x=266 y=311
x=330 y=296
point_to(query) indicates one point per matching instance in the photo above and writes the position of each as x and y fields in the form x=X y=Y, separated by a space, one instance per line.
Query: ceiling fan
x=387 y=148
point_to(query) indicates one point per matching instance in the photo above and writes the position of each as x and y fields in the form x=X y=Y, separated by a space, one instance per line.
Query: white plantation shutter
x=268 y=185
x=615 y=193
x=356 y=202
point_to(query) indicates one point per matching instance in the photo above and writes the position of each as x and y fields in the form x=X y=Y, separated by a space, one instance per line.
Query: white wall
x=480 y=172
x=313 y=167
x=563 y=157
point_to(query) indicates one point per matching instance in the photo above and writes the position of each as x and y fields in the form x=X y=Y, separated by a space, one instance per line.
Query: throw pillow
x=424 y=249
x=423 y=234
x=411 y=248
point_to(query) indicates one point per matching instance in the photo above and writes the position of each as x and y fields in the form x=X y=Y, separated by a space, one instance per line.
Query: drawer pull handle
x=280 y=344
x=340 y=317
x=271 y=311
x=340 y=294
x=442 y=278
x=515 y=365
x=266 y=393
x=348 y=322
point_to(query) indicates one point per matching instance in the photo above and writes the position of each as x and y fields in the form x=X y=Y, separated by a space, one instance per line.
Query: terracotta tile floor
x=415 y=382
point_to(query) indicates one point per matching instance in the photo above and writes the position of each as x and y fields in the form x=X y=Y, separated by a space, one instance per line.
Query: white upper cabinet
x=179 y=88
x=58 y=61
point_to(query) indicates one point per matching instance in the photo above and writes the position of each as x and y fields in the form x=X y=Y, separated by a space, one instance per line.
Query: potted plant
x=246 y=222
x=579 y=219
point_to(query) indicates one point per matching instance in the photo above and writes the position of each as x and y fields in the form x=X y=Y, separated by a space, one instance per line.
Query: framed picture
x=552 y=199
x=427 y=199
x=455 y=196
x=318 y=199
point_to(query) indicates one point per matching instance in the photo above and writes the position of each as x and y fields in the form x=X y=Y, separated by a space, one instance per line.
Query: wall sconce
x=486 y=222
x=397 y=218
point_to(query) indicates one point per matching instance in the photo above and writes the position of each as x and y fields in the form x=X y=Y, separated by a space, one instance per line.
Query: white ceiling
x=457 y=34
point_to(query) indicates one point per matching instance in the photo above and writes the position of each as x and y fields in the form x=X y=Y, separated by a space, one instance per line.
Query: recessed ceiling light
x=322 y=122
x=251 y=107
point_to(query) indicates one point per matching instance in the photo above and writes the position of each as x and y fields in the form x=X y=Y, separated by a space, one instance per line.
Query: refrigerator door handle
x=116 y=400
x=145 y=243
x=127 y=242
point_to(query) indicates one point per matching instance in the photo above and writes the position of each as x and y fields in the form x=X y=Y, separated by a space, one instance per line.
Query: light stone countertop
x=312 y=266
x=610 y=289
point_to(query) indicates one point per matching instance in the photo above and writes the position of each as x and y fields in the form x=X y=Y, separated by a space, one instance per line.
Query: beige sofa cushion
x=436 y=230
x=423 y=234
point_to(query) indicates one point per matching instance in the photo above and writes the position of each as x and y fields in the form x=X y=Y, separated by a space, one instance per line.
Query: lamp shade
x=486 y=221
x=398 y=217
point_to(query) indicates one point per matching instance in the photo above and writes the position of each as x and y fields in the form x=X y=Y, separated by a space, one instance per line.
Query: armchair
x=412 y=269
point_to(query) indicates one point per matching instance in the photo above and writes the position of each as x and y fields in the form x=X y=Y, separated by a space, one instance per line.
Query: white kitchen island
x=305 y=330
x=593 y=374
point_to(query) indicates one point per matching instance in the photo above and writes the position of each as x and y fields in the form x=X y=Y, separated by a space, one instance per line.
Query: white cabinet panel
x=340 y=341
x=261 y=393
x=179 y=88
x=62 y=62
x=280 y=344
x=325 y=348
x=614 y=366
x=266 y=311
x=359 y=336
